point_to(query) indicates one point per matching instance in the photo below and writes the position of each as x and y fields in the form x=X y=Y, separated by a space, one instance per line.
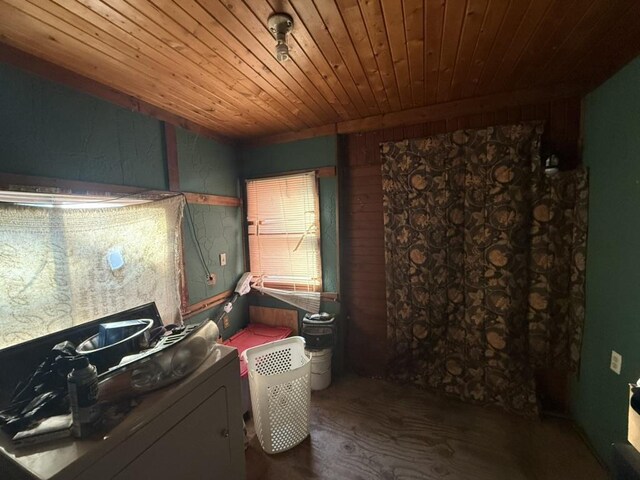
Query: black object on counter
x=43 y=394
x=25 y=357
x=117 y=342
x=83 y=395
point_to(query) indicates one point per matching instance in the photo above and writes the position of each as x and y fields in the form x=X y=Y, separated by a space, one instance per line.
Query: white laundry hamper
x=280 y=388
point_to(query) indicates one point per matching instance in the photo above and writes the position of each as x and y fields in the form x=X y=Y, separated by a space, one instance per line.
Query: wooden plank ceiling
x=212 y=62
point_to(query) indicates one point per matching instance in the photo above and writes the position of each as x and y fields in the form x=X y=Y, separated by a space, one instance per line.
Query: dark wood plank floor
x=372 y=429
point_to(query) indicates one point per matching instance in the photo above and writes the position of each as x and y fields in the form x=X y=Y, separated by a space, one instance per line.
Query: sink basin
x=105 y=357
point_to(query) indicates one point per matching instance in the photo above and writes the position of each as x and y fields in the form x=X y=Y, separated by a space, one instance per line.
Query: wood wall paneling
x=621 y=32
x=206 y=304
x=497 y=105
x=171 y=149
x=274 y=317
x=212 y=63
x=363 y=268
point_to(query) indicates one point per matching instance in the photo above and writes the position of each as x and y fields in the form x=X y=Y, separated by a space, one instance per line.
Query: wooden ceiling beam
x=49 y=71
x=438 y=112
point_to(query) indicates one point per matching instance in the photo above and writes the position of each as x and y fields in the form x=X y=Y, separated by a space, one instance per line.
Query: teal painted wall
x=197 y=171
x=612 y=153
x=53 y=131
x=206 y=166
x=50 y=130
x=285 y=157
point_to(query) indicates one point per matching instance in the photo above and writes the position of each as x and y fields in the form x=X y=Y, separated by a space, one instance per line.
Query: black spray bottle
x=83 y=395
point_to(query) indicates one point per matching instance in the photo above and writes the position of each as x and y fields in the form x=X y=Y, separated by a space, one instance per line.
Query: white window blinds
x=284 y=231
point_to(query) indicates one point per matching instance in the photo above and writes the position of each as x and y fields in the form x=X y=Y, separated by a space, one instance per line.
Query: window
x=64 y=200
x=284 y=231
x=72 y=260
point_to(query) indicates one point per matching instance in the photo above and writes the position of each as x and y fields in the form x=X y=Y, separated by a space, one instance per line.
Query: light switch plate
x=223 y=259
x=616 y=362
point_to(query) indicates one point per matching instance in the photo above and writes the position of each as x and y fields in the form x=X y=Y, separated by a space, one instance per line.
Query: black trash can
x=318 y=330
x=319 y=334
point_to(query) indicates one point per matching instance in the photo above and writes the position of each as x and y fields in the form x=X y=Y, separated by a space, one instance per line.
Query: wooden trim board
x=208 y=199
x=323 y=172
x=206 y=304
x=171 y=148
x=275 y=317
x=435 y=112
x=10 y=181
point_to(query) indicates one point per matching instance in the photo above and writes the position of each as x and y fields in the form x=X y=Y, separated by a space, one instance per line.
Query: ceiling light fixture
x=279 y=25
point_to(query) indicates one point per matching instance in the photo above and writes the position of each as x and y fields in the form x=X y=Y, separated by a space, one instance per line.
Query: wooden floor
x=372 y=429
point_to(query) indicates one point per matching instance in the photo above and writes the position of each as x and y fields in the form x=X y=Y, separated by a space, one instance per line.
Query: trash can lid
x=318 y=318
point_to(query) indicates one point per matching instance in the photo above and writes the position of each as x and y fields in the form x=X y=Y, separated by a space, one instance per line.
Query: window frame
x=289 y=286
x=79 y=188
x=96 y=197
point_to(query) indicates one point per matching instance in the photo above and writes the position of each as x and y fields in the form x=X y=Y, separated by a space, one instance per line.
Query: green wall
x=53 y=131
x=206 y=166
x=50 y=130
x=612 y=153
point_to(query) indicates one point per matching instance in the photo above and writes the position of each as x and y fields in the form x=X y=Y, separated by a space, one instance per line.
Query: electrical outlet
x=226 y=322
x=616 y=362
x=211 y=279
x=223 y=259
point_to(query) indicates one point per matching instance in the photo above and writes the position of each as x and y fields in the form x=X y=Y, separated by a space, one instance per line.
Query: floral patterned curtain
x=458 y=213
x=557 y=269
